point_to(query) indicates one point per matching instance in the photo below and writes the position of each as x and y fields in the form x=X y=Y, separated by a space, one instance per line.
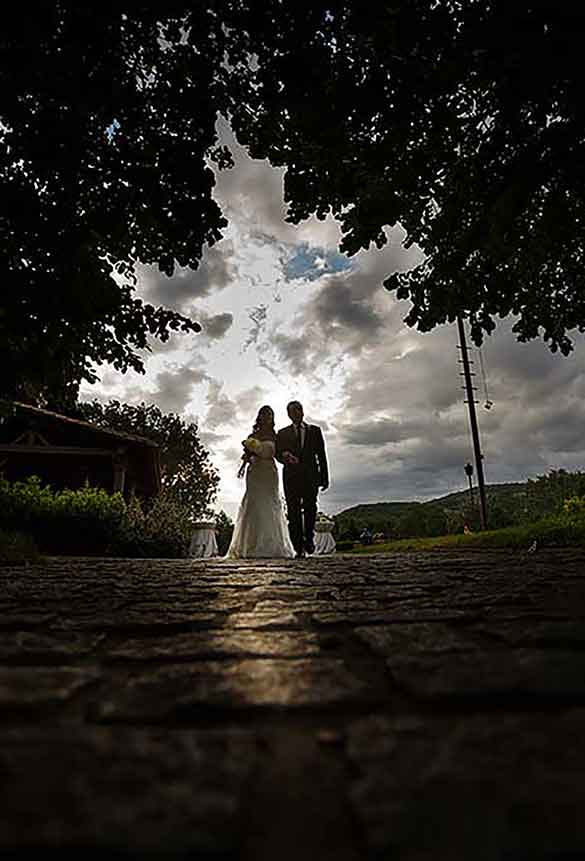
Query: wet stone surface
x=421 y=706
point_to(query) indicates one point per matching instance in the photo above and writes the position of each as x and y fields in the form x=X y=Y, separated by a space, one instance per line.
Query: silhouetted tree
x=546 y=494
x=461 y=121
x=187 y=471
x=107 y=127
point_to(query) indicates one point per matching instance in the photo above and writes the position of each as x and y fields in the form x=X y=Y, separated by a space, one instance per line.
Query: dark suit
x=302 y=481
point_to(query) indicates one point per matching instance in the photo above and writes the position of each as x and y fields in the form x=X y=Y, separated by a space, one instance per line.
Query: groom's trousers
x=301 y=512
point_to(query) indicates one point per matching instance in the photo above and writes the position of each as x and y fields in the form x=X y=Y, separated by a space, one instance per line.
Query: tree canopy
x=186 y=468
x=461 y=121
x=107 y=128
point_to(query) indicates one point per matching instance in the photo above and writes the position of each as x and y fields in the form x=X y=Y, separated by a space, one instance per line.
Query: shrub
x=68 y=521
x=85 y=521
x=24 y=502
x=91 y=521
x=159 y=529
x=574 y=507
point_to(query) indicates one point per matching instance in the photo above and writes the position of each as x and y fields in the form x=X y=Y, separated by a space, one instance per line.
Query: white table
x=203 y=541
x=324 y=540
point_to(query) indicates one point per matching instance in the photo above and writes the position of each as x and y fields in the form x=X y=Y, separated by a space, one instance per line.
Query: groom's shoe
x=300 y=554
x=310 y=547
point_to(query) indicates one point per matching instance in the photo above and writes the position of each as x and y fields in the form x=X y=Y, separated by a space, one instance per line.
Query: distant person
x=366 y=535
x=301 y=448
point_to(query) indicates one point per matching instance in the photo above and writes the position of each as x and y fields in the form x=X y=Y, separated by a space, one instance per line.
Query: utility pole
x=467 y=374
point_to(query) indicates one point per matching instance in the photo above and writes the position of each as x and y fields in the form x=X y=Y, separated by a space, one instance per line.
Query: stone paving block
x=413 y=612
x=536 y=673
x=218 y=644
x=36 y=688
x=181 y=690
x=536 y=632
x=34 y=645
x=465 y=660
x=259 y=619
x=419 y=637
x=137 y=792
x=131 y=619
x=470 y=788
x=13 y=617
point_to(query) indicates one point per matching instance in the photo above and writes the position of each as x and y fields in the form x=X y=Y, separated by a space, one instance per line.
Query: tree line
x=508 y=505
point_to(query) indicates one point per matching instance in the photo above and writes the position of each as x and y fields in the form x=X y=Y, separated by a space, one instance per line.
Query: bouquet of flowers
x=252 y=446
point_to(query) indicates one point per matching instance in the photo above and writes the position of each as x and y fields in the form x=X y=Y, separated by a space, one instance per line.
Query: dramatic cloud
x=250 y=400
x=215 y=326
x=174 y=388
x=345 y=314
x=285 y=316
x=222 y=410
x=252 y=194
x=404 y=415
x=216 y=270
x=212 y=440
x=378 y=432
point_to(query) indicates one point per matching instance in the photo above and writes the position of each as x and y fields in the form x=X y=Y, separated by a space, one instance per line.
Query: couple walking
x=260 y=530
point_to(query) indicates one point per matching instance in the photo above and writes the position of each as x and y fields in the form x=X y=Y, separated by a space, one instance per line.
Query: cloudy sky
x=285 y=316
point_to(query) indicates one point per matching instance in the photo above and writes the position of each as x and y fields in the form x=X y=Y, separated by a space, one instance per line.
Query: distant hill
x=376 y=510
x=514 y=487
x=382 y=516
x=493 y=491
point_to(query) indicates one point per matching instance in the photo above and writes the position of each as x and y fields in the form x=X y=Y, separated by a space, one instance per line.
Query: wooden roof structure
x=68 y=452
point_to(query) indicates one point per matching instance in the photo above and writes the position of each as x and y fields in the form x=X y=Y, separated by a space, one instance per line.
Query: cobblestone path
x=427 y=706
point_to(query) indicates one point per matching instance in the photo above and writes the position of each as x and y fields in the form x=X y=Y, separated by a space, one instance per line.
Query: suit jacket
x=312 y=468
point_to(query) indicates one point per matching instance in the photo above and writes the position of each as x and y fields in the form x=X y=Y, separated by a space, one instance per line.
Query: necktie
x=299 y=437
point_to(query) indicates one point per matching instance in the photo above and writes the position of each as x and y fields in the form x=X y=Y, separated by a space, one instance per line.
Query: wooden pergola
x=68 y=452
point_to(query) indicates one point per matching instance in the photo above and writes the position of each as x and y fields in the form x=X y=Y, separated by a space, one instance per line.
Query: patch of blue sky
x=309 y=263
x=112 y=130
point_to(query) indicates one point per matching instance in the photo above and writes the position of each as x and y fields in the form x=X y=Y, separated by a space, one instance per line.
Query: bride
x=261 y=530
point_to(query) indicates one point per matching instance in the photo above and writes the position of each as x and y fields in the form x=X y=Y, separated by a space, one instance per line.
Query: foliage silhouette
x=187 y=471
x=461 y=122
x=107 y=128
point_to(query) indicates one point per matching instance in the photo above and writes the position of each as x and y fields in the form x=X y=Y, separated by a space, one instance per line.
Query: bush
x=91 y=521
x=159 y=529
x=85 y=521
x=574 y=507
x=81 y=521
x=24 y=502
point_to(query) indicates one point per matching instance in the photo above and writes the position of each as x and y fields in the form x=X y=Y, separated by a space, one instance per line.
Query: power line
x=488 y=404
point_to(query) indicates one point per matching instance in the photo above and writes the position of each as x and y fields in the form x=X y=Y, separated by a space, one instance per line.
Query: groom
x=301 y=449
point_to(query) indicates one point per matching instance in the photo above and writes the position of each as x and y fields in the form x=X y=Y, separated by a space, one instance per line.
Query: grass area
x=550 y=532
x=17 y=547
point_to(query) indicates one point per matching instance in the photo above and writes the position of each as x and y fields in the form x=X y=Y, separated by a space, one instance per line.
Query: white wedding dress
x=261 y=530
